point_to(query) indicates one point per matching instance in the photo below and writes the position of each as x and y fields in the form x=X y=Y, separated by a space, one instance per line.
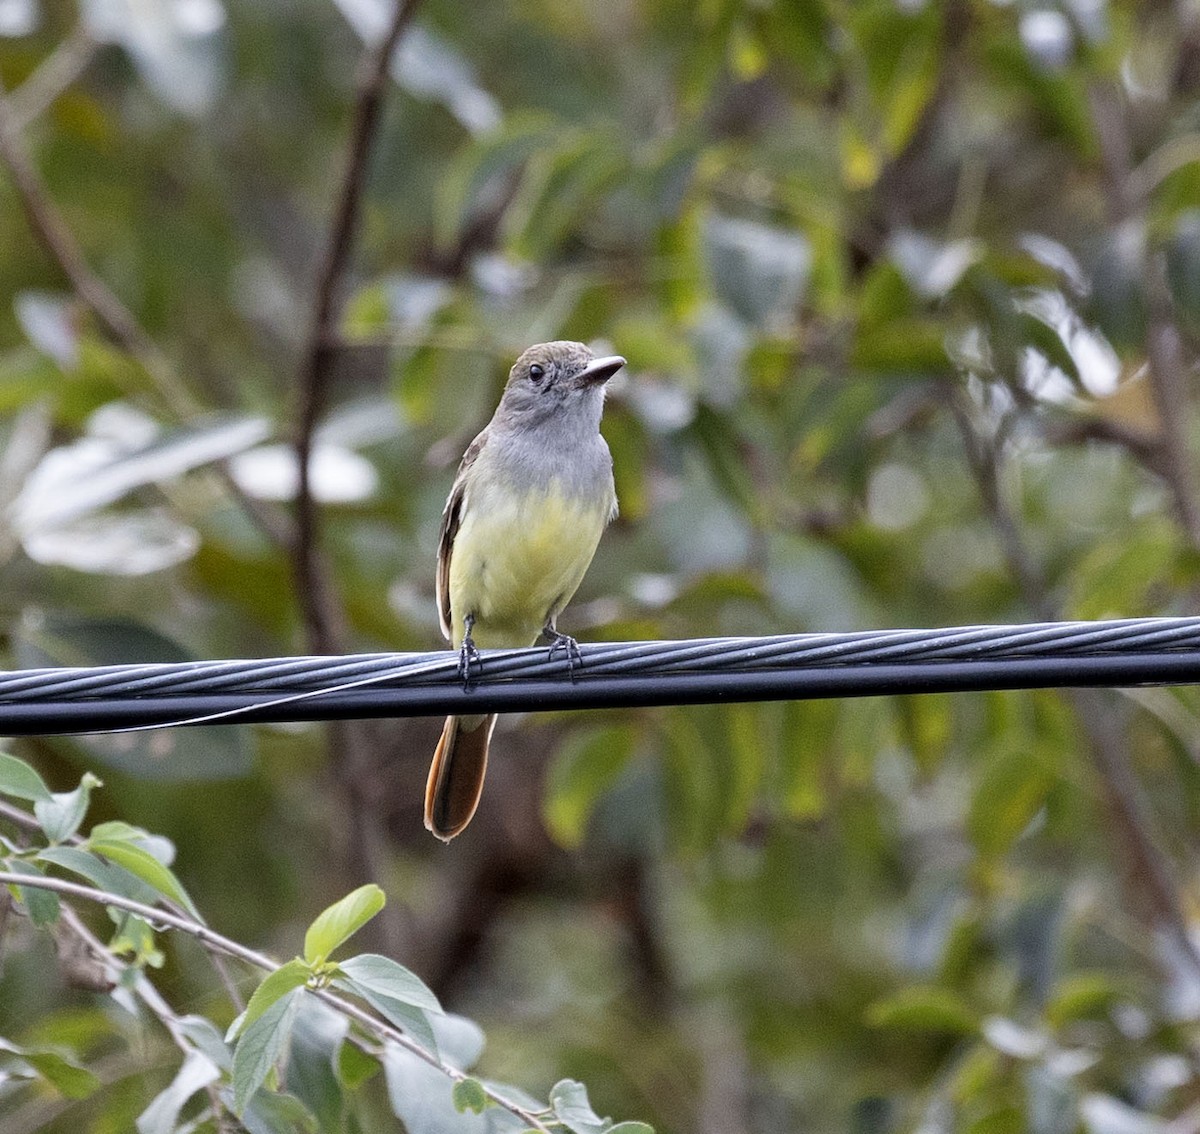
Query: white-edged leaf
x=370 y=972
x=127 y=543
x=78 y=478
x=408 y=1019
x=758 y=271
x=569 y=1100
x=61 y=814
x=203 y=1034
x=104 y=875
x=197 y=1072
x=48 y=320
x=72 y=1080
x=423 y=1098
x=175 y=45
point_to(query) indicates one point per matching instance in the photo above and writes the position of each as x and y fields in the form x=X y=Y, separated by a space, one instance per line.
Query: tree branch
x=158 y=916
x=350 y=742
x=52 y=231
x=1150 y=876
x=57 y=72
x=313 y=377
x=27 y=822
x=1125 y=190
x=1146 y=448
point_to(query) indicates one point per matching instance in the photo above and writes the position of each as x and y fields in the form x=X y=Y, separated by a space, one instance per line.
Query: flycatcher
x=533 y=494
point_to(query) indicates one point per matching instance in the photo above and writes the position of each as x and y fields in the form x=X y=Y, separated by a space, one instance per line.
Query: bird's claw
x=569 y=647
x=470 y=663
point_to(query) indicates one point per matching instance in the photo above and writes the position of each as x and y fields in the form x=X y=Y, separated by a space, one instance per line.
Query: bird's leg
x=564 y=642
x=468 y=655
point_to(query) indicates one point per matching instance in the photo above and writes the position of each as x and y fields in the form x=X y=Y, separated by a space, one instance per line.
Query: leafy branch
x=127 y=871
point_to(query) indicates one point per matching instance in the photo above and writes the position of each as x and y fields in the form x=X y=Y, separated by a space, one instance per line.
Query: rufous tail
x=456 y=774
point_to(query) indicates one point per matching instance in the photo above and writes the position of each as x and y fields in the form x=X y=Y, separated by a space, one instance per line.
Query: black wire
x=1146 y=651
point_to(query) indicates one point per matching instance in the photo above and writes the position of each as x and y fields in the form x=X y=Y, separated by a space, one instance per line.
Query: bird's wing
x=451 y=521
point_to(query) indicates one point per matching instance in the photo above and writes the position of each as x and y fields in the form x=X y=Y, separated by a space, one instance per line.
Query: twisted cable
x=1138 y=651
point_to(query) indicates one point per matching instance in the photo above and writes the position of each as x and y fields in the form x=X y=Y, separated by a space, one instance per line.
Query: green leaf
x=469 y=1095
x=260 y=1046
x=1011 y=792
x=273 y=986
x=806 y=738
x=758 y=271
x=924 y=1009
x=1183 y=266
x=408 y=1019
x=61 y=815
x=105 y=875
x=586 y=765
x=1083 y=995
x=42 y=905
x=203 y=1035
x=382 y=976
x=20 y=781
x=318 y=1038
x=197 y=1072
x=135 y=936
x=70 y=1079
x=630 y=1128
x=905 y=346
x=272 y=1112
x=145 y=866
x=340 y=921
x=354 y=1067
x=569 y=1100
x=1048 y=343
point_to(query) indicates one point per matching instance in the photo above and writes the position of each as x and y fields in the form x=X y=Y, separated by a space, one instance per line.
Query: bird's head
x=553 y=379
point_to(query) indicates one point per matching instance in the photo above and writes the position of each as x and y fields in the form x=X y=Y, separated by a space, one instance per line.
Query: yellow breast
x=518 y=559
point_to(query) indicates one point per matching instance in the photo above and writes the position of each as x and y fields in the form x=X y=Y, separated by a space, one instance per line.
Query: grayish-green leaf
x=19 y=780
x=43 y=905
x=197 y=1072
x=261 y=1045
x=370 y=972
x=61 y=815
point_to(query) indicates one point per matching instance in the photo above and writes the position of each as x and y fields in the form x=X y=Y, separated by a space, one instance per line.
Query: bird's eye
x=536 y=373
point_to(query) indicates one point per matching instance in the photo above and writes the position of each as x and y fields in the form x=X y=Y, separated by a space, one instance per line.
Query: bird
x=532 y=496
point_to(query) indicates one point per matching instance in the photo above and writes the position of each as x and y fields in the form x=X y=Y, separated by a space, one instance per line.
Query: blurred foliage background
x=910 y=294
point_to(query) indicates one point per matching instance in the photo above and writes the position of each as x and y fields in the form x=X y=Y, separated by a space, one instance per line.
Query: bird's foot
x=569 y=647
x=470 y=663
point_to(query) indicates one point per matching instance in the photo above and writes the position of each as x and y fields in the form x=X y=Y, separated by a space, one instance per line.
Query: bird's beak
x=600 y=370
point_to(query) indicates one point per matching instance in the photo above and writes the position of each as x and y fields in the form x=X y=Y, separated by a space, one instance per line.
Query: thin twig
x=1151 y=877
x=27 y=822
x=313 y=378
x=202 y=933
x=1146 y=448
x=57 y=72
x=1124 y=196
x=58 y=240
x=350 y=742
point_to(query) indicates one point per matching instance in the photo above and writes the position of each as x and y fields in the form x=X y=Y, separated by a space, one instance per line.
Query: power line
x=1140 y=651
